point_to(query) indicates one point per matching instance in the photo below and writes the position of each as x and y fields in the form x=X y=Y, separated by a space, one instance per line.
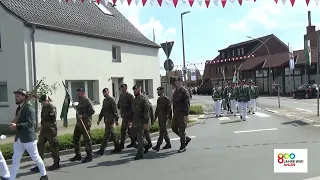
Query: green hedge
x=65 y=141
x=196 y=109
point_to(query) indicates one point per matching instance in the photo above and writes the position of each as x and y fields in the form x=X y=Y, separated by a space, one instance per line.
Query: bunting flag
x=176 y=2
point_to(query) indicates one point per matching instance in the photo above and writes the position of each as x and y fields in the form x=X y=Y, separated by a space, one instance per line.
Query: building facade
x=93 y=48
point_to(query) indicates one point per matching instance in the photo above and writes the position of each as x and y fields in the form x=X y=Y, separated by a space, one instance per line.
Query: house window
x=116 y=54
x=222 y=55
x=3 y=93
x=242 y=51
x=221 y=69
x=91 y=88
x=238 y=52
x=103 y=8
x=232 y=53
x=146 y=86
x=217 y=70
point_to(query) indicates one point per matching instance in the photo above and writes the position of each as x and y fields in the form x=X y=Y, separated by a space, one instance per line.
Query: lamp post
x=269 y=77
x=183 y=53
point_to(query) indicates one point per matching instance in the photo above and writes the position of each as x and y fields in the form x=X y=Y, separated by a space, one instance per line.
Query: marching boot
x=132 y=144
x=167 y=146
x=182 y=149
x=156 y=148
x=99 y=152
x=87 y=159
x=116 y=149
x=44 y=177
x=147 y=147
x=138 y=156
x=55 y=166
x=121 y=145
x=35 y=169
x=77 y=157
x=2 y=178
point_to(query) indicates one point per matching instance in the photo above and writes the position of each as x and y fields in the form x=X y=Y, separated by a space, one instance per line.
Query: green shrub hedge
x=65 y=141
x=196 y=109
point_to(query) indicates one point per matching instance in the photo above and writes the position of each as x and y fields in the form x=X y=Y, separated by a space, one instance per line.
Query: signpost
x=167 y=48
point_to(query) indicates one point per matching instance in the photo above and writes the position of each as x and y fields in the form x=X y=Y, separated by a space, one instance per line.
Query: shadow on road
x=296 y=123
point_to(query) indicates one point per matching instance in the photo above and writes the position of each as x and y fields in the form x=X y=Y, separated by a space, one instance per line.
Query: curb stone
x=97 y=146
x=293 y=117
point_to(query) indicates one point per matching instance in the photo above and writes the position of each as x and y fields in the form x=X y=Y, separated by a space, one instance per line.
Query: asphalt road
x=221 y=149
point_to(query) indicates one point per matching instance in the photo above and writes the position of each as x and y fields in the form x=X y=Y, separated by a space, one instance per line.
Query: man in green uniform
x=163 y=113
x=140 y=119
x=48 y=132
x=181 y=107
x=233 y=99
x=226 y=96
x=251 y=103
x=217 y=98
x=110 y=114
x=243 y=96
x=125 y=106
x=85 y=110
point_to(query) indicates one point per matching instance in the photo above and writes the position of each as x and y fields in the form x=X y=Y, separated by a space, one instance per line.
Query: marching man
x=243 y=96
x=217 y=98
x=253 y=97
x=26 y=138
x=233 y=99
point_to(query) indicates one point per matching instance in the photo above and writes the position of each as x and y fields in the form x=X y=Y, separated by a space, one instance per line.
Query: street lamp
x=183 y=53
x=268 y=61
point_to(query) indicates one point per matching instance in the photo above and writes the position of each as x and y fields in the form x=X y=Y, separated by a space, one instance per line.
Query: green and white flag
x=307 y=52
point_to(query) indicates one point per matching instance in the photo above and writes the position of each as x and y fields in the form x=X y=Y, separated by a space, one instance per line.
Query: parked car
x=306 y=90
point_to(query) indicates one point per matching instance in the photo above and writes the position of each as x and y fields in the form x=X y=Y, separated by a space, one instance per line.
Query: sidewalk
x=296 y=114
x=72 y=122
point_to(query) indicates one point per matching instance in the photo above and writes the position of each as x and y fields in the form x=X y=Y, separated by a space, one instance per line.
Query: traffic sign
x=167 y=48
x=168 y=65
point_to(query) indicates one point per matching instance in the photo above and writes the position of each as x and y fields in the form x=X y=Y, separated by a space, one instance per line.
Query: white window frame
x=242 y=51
x=150 y=86
x=232 y=53
x=3 y=83
x=103 y=8
x=118 y=53
x=239 y=52
x=95 y=89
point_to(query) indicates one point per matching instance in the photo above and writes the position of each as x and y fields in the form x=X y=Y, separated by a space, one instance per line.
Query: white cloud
x=132 y=13
x=269 y=15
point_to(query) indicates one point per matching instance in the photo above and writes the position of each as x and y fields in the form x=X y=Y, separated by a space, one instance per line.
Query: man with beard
x=85 y=111
x=181 y=107
x=110 y=114
x=125 y=107
x=26 y=138
x=49 y=132
x=140 y=119
x=163 y=113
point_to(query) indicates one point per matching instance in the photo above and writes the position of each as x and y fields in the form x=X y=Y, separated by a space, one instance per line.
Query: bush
x=66 y=142
x=196 y=109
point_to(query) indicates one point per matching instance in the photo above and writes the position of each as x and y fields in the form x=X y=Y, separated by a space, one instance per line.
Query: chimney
x=309 y=18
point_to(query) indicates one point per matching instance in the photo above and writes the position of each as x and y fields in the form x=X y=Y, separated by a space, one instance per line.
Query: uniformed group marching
x=136 y=113
x=236 y=98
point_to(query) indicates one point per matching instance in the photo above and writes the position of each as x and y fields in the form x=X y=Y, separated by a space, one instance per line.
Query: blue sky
x=207 y=30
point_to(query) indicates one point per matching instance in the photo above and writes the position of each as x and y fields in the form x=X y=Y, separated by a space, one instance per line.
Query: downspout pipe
x=34 y=68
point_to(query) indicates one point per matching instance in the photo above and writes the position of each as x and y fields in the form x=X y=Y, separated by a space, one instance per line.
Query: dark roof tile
x=78 y=18
x=252 y=63
x=301 y=57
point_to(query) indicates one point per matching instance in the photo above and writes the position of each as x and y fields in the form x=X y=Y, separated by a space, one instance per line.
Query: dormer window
x=232 y=53
x=103 y=8
x=222 y=55
x=242 y=51
x=239 y=52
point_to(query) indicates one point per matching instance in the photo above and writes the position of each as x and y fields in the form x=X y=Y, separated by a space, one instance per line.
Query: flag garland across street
x=190 y=2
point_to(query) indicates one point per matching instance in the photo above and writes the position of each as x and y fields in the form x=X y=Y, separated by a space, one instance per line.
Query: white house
x=82 y=44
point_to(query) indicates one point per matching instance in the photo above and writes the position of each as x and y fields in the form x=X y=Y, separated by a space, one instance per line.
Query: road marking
x=175 y=139
x=256 y=130
x=224 y=118
x=261 y=114
x=317 y=125
x=303 y=109
x=247 y=117
x=273 y=111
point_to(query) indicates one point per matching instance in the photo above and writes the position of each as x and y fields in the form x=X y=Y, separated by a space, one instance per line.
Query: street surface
x=221 y=149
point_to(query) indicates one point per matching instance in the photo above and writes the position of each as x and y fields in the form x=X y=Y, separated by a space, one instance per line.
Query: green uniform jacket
x=109 y=111
x=26 y=125
x=181 y=101
x=86 y=110
x=140 y=111
x=243 y=93
x=233 y=93
x=217 y=94
x=49 y=119
x=252 y=92
x=163 y=110
x=125 y=105
x=256 y=92
x=226 y=92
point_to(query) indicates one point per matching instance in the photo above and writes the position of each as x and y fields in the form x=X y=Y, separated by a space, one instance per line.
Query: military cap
x=105 y=90
x=136 y=87
x=21 y=92
x=43 y=98
x=80 y=90
x=160 y=88
x=177 y=79
x=251 y=81
x=123 y=85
